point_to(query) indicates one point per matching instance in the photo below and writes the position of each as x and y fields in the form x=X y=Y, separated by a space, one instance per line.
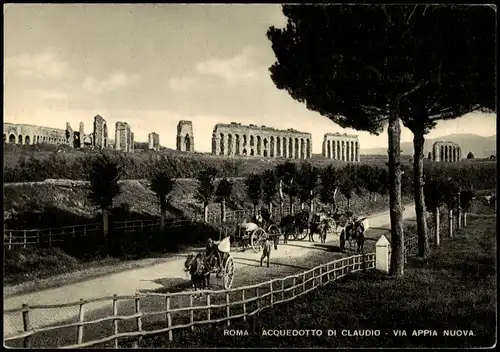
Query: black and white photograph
x=257 y=176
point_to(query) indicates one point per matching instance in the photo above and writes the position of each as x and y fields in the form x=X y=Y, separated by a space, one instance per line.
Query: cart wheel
x=256 y=239
x=299 y=236
x=228 y=273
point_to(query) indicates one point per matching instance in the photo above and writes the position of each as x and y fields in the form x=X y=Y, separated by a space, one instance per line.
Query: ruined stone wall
x=154 y=141
x=241 y=140
x=100 y=138
x=185 y=136
x=343 y=147
x=446 y=151
x=132 y=141
x=123 y=137
x=31 y=134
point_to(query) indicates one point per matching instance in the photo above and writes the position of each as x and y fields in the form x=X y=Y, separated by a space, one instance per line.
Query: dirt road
x=168 y=273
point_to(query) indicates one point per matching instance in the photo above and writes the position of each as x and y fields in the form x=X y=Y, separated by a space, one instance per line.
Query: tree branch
x=408 y=20
x=443 y=115
x=412 y=90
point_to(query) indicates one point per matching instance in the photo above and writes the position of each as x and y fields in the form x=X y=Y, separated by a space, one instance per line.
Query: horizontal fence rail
x=184 y=310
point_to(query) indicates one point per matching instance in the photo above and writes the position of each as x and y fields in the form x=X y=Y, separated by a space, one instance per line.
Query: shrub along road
x=160 y=276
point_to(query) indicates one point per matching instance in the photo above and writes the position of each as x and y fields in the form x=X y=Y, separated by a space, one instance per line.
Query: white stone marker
x=382 y=259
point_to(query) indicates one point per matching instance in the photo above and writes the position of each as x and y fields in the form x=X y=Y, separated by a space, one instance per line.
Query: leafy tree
x=269 y=187
x=397 y=62
x=308 y=182
x=223 y=193
x=206 y=188
x=162 y=184
x=349 y=184
x=104 y=175
x=254 y=190
x=329 y=186
x=287 y=173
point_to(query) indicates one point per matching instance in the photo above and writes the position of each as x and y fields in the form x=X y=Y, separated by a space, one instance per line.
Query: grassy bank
x=455 y=289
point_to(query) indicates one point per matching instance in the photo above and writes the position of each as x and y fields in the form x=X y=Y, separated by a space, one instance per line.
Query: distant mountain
x=481 y=147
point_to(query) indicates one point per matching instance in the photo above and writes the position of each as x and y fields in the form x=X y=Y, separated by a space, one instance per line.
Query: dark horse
x=294 y=223
x=353 y=233
x=321 y=227
x=195 y=265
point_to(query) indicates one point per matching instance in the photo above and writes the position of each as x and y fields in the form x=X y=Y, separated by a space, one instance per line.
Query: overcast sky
x=152 y=65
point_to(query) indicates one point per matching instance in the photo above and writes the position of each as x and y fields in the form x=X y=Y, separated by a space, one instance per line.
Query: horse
x=320 y=224
x=287 y=225
x=194 y=265
x=353 y=233
x=302 y=220
x=267 y=251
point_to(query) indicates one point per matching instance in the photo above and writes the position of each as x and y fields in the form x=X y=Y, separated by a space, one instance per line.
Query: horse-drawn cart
x=221 y=263
x=254 y=235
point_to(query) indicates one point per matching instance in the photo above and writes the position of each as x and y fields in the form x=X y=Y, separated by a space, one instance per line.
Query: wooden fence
x=223 y=306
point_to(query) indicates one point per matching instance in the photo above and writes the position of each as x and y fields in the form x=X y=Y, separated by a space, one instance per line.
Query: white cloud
x=112 y=82
x=241 y=67
x=44 y=95
x=39 y=65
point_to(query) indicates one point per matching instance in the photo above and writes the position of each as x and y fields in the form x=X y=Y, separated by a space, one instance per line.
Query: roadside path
x=131 y=281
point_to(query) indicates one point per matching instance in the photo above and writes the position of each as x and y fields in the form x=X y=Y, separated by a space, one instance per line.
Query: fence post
x=169 y=318
x=271 y=287
x=450 y=223
x=294 y=284
x=328 y=272
x=208 y=305
x=258 y=298
x=139 y=319
x=24 y=233
x=382 y=254
x=303 y=282
x=10 y=240
x=228 y=311
x=244 y=305
x=321 y=276
x=191 y=312
x=26 y=325
x=115 y=321
x=81 y=318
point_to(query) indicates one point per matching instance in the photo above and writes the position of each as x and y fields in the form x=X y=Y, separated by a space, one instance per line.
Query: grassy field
x=454 y=290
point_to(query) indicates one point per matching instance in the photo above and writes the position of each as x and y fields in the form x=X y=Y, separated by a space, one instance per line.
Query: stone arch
x=308 y=148
x=285 y=149
x=221 y=144
x=302 y=149
x=245 y=140
x=347 y=150
x=252 y=141
x=271 y=149
x=441 y=153
x=252 y=152
x=328 y=150
x=297 y=148
x=259 y=145
x=278 y=146
x=290 y=147
x=229 y=144
x=38 y=139
x=20 y=139
x=265 y=153
x=237 y=146
x=27 y=140
x=12 y=139
x=244 y=152
x=338 y=150
x=187 y=142
x=266 y=143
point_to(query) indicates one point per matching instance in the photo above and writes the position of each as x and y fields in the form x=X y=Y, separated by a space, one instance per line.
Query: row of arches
x=20 y=139
x=447 y=153
x=341 y=150
x=255 y=145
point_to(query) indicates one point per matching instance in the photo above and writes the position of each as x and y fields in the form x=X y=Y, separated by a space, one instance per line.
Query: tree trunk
x=418 y=179
x=465 y=218
x=255 y=210
x=396 y=211
x=291 y=205
x=280 y=191
x=348 y=203
x=105 y=222
x=437 y=240
x=311 y=206
x=223 y=211
x=205 y=212
x=302 y=205
x=163 y=215
x=374 y=197
x=450 y=223
x=282 y=209
x=271 y=208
